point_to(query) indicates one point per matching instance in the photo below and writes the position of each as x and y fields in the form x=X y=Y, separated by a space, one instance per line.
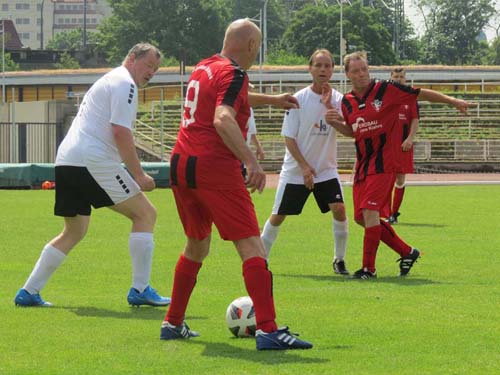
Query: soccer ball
x=240 y=317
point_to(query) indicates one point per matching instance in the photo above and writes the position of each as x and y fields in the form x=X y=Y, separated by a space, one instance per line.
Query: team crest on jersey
x=377 y=104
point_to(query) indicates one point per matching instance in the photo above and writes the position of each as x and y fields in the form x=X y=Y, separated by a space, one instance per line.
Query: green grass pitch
x=443 y=319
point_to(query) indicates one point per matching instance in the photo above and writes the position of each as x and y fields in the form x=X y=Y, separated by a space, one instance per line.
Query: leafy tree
x=10 y=65
x=187 y=30
x=319 y=27
x=67 y=62
x=71 y=40
x=283 y=57
x=452 y=27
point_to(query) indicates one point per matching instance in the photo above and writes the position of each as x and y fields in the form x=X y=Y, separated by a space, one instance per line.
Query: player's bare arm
x=126 y=147
x=326 y=95
x=308 y=172
x=335 y=119
x=285 y=101
x=408 y=142
x=226 y=126
x=437 y=97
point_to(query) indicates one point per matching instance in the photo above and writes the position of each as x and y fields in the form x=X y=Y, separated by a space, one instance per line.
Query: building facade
x=37 y=21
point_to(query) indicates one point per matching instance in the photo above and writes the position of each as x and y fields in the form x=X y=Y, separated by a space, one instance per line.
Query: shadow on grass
x=270 y=357
x=143 y=312
x=385 y=279
x=420 y=225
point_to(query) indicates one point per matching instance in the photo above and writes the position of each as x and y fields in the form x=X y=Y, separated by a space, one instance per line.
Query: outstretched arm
x=285 y=101
x=437 y=97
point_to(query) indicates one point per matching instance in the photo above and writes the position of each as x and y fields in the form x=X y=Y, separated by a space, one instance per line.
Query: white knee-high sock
x=50 y=259
x=141 y=245
x=268 y=236
x=340 y=234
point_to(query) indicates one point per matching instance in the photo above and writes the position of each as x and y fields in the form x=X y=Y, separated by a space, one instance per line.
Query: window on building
x=22 y=6
x=5 y=7
x=24 y=36
x=38 y=21
x=39 y=7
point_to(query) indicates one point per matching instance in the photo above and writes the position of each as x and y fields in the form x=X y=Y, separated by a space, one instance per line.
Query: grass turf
x=442 y=319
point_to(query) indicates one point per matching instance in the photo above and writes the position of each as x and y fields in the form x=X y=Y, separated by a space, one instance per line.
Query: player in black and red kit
x=405 y=133
x=370 y=115
x=209 y=188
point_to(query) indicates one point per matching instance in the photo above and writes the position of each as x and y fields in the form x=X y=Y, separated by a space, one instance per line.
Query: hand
x=407 y=145
x=286 y=101
x=461 y=105
x=256 y=178
x=145 y=182
x=259 y=153
x=326 y=95
x=308 y=173
x=333 y=117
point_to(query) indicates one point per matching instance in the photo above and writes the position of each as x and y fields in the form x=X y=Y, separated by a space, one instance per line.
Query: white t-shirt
x=112 y=99
x=316 y=139
x=251 y=127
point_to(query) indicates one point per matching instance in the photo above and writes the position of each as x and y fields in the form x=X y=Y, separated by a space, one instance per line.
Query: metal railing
x=29 y=142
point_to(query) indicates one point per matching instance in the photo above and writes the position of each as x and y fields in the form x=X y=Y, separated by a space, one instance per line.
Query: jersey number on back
x=190 y=103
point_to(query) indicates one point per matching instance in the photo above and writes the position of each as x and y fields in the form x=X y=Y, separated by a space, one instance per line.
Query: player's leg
x=289 y=200
x=52 y=256
x=329 y=197
x=259 y=284
x=399 y=190
x=270 y=231
x=197 y=223
x=71 y=203
x=186 y=273
x=142 y=213
x=409 y=255
x=370 y=196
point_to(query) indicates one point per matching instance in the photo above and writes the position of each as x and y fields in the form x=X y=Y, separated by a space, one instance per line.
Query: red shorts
x=373 y=193
x=405 y=164
x=232 y=212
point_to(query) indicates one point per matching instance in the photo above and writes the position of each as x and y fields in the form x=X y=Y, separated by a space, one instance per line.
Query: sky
x=413 y=14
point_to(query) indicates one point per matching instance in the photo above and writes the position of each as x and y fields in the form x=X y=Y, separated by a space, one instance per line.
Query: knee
x=338 y=211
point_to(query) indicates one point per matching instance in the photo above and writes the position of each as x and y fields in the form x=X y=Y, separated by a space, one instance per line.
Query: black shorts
x=291 y=198
x=77 y=191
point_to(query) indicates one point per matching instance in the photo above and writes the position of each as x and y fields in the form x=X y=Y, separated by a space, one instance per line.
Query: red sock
x=186 y=271
x=259 y=284
x=370 y=246
x=397 y=199
x=391 y=239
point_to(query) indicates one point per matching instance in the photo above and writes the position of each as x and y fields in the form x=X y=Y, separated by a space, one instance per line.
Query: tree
x=186 y=30
x=319 y=27
x=70 y=40
x=452 y=27
x=67 y=62
x=10 y=65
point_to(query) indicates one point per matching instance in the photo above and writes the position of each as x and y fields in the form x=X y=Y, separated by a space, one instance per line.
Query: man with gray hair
x=89 y=173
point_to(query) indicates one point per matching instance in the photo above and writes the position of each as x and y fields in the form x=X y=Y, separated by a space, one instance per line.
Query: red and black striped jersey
x=373 y=119
x=215 y=81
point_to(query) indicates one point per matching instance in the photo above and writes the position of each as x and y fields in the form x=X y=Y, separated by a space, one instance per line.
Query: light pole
x=3 y=60
x=258 y=18
x=264 y=31
x=84 y=24
x=41 y=25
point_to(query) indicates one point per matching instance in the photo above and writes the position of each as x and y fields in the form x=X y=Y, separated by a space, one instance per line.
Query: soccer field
x=443 y=319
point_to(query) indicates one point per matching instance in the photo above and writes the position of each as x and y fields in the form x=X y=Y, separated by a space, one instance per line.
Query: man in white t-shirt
x=310 y=163
x=89 y=173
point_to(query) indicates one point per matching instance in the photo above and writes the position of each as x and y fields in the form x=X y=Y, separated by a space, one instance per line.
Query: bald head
x=242 y=42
